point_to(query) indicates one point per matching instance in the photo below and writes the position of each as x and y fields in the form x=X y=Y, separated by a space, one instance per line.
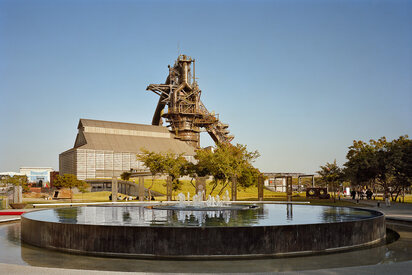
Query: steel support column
x=114 y=189
x=141 y=188
x=289 y=188
x=169 y=188
x=260 y=187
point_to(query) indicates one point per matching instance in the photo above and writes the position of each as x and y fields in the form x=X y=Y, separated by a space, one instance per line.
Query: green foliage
x=153 y=161
x=175 y=167
x=18 y=180
x=203 y=166
x=70 y=181
x=401 y=160
x=165 y=163
x=225 y=162
x=125 y=175
x=388 y=164
x=331 y=174
x=248 y=177
x=362 y=165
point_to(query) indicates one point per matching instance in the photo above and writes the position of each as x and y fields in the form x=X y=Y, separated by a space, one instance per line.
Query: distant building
x=278 y=184
x=104 y=149
x=38 y=175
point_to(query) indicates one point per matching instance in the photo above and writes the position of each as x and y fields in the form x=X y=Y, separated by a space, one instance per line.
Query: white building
x=38 y=175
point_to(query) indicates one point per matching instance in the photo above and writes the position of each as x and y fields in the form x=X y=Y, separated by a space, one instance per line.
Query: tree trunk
x=149 y=190
x=223 y=188
x=191 y=182
x=397 y=191
x=213 y=188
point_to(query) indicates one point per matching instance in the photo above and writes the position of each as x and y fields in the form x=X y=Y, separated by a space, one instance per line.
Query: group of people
x=361 y=194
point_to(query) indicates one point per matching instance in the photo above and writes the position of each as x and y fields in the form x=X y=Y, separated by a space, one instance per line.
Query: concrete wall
x=159 y=241
x=67 y=163
x=95 y=164
x=92 y=164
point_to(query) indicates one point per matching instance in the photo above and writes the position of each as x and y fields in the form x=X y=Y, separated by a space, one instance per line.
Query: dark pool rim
x=219 y=242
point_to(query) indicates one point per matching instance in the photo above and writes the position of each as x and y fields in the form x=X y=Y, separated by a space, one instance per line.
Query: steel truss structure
x=185 y=113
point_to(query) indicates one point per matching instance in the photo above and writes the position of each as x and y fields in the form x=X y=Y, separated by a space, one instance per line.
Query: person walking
x=387 y=199
x=369 y=194
x=353 y=194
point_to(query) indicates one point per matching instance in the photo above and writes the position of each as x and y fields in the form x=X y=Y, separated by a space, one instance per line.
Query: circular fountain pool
x=267 y=230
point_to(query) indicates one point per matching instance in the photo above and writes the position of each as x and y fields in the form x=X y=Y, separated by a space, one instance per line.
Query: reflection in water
x=11 y=252
x=289 y=212
x=200 y=217
x=209 y=218
x=115 y=213
x=69 y=215
x=339 y=214
x=265 y=215
x=126 y=217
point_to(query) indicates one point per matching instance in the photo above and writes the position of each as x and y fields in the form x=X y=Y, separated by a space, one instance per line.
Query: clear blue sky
x=296 y=80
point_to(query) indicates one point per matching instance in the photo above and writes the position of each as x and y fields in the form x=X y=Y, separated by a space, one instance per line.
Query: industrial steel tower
x=185 y=112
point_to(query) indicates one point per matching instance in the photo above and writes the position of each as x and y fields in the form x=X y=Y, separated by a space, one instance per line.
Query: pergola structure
x=288 y=177
x=299 y=176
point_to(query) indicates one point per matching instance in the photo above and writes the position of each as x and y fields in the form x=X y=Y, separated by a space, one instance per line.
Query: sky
x=296 y=80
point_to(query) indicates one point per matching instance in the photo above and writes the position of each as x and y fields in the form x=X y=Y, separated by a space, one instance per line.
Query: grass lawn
x=247 y=194
x=186 y=187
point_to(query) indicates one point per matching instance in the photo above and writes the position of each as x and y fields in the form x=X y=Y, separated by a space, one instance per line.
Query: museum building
x=104 y=149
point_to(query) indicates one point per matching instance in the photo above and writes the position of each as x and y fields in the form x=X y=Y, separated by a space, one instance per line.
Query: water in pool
x=261 y=215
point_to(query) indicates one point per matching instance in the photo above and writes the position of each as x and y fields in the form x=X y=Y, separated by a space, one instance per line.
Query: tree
x=17 y=180
x=202 y=166
x=382 y=163
x=241 y=164
x=225 y=162
x=331 y=174
x=175 y=166
x=249 y=176
x=70 y=181
x=361 y=167
x=400 y=165
x=125 y=175
x=154 y=162
x=208 y=163
x=228 y=161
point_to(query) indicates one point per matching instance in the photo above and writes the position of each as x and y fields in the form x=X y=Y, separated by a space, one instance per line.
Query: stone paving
x=11 y=218
x=402 y=211
x=399 y=268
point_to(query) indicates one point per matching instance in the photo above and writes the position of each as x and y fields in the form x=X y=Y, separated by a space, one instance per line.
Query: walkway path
x=6 y=215
x=383 y=269
x=402 y=211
